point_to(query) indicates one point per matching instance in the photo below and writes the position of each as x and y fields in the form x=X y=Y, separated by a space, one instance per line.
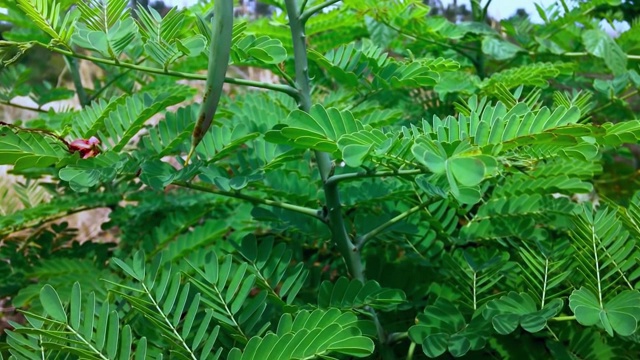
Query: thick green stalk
x=220 y=50
x=336 y=221
x=340 y=236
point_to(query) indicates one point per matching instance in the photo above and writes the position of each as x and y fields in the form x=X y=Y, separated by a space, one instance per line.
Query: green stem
x=152 y=70
x=563 y=318
x=479 y=15
x=167 y=322
x=339 y=234
x=314 y=9
x=332 y=196
x=412 y=349
x=87 y=343
x=237 y=195
x=285 y=76
x=72 y=65
x=375 y=232
x=623 y=97
x=369 y=174
x=42 y=221
x=23 y=107
x=580 y=54
x=304 y=4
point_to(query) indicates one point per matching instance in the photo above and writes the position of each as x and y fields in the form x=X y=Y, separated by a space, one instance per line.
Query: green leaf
x=319 y=129
x=46 y=15
x=514 y=309
x=441 y=327
x=499 y=49
x=28 y=149
x=468 y=171
x=263 y=49
x=87 y=173
x=51 y=303
x=619 y=315
x=598 y=43
x=354 y=295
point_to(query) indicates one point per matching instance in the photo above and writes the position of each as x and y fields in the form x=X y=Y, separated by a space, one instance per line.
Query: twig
x=299 y=209
x=314 y=9
x=23 y=107
x=375 y=232
x=152 y=70
x=369 y=174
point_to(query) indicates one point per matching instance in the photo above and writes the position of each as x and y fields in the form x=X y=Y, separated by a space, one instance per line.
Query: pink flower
x=87 y=148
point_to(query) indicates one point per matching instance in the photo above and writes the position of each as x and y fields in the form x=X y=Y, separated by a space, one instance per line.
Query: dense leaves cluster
x=410 y=186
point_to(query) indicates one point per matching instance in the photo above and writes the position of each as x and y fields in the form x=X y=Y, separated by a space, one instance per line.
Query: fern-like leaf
x=309 y=335
x=47 y=15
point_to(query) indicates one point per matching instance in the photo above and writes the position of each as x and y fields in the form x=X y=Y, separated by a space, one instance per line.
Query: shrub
x=408 y=181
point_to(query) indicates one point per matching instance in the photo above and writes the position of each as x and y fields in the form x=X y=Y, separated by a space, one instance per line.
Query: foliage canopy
x=409 y=186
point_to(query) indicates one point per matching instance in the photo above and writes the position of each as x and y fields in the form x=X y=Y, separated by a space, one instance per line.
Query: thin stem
x=485 y=9
x=72 y=65
x=314 y=9
x=152 y=70
x=544 y=285
x=237 y=195
x=412 y=349
x=563 y=318
x=108 y=84
x=597 y=264
x=623 y=97
x=375 y=232
x=23 y=107
x=579 y=54
x=285 y=76
x=369 y=174
x=87 y=343
x=166 y=320
x=304 y=5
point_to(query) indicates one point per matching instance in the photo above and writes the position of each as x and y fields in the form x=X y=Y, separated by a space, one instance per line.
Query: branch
x=237 y=195
x=23 y=107
x=375 y=232
x=579 y=54
x=339 y=235
x=152 y=70
x=336 y=222
x=370 y=174
x=314 y=9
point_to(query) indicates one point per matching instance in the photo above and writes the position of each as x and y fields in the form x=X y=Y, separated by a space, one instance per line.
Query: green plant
x=409 y=182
